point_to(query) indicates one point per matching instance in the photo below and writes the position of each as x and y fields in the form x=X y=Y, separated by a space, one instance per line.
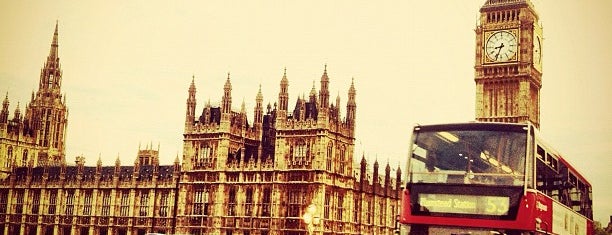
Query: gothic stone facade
x=39 y=135
x=259 y=178
x=83 y=200
x=236 y=177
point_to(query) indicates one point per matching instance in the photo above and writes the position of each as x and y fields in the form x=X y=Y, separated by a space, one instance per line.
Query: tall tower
x=47 y=111
x=508 y=63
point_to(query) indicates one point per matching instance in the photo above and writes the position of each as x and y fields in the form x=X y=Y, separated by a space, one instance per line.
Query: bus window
x=469 y=157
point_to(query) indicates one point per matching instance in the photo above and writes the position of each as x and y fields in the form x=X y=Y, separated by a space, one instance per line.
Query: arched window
x=203 y=155
x=299 y=152
x=342 y=159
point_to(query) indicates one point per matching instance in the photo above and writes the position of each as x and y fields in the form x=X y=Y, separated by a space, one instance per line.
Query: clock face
x=537 y=50
x=501 y=46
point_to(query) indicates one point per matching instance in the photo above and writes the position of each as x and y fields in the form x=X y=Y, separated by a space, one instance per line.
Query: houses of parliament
x=236 y=176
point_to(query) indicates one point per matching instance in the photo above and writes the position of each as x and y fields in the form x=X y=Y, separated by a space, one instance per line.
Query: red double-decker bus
x=491 y=178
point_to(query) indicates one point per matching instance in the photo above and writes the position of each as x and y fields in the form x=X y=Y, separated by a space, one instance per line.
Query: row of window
x=203 y=199
x=143 y=207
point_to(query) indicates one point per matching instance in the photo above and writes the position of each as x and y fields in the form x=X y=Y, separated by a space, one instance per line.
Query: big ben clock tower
x=508 y=70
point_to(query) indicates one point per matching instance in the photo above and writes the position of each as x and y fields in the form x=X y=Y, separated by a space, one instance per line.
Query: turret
x=387 y=176
x=337 y=109
x=375 y=175
x=177 y=166
x=243 y=119
x=300 y=109
x=5 y=112
x=226 y=101
x=313 y=94
x=17 y=115
x=324 y=92
x=191 y=105
x=351 y=106
x=283 y=95
x=117 y=167
x=363 y=170
x=259 y=108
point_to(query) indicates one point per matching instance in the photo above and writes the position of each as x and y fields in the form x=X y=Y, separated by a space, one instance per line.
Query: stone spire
x=17 y=114
x=227 y=96
x=53 y=51
x=313 y=94
x=259 y=107
x=5 y=112
x=324 y=92
x=191 y=105
x=51 y=74
x=283 y=95
x=351 y=105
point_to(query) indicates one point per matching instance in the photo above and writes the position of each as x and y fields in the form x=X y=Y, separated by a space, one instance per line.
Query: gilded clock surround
x=507 y=51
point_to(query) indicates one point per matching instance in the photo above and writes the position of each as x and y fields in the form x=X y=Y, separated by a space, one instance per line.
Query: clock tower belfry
x=508 y=68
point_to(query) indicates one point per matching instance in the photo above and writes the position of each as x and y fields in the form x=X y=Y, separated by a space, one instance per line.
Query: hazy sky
x=127 y=66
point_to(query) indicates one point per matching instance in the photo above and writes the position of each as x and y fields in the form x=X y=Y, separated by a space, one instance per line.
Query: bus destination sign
x=464 y=204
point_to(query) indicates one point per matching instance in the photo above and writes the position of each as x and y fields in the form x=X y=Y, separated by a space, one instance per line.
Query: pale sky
x=127 y=66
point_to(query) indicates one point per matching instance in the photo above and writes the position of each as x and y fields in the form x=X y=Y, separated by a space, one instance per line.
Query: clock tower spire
x=508 y=63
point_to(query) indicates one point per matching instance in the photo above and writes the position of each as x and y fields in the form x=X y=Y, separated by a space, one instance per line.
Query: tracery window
x=299 y=152
x=203 y=156
x=69 y=202
x=249 y=202
x=124 y=208
x=231 y=205
x=201 y=202
x=87 y=203
x=35 y=201
x=295 y=197
x=267 y=198
x=341 y=158
x=340 y=206
x=52 y=202
x=106 y=201
x=144 y=204
x=163 y=204
x=19 y=202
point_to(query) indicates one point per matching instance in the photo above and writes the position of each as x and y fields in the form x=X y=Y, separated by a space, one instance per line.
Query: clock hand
x=499 y=47
x=498 y=50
